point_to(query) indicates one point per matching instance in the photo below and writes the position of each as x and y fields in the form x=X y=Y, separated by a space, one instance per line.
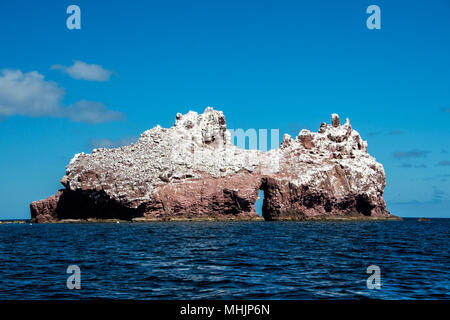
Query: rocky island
x=192 y=171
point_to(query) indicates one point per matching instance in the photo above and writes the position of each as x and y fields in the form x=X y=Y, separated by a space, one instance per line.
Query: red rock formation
x=193 y=171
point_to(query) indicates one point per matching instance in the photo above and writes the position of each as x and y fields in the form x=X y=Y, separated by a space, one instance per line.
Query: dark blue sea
x=227 y=260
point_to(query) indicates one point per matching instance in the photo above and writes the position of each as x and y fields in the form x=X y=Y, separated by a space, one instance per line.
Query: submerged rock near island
x=192 y=171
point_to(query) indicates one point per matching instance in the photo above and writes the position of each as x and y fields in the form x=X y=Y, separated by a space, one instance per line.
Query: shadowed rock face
x=193 y=171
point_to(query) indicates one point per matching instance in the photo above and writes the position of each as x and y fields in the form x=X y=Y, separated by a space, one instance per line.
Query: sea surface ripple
x=226 y=260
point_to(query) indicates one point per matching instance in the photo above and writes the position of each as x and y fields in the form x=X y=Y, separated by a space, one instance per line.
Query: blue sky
x=265 y=64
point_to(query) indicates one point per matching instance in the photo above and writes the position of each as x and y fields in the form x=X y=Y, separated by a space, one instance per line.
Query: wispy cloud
x=445 y=163
x=374 y=133
x=108 y=143
x=411 y=202
x=439 y=177
x=415 y=153
x=29 y=94
x=395 y=132
x=410 y=165
x=91 y=112
x=83 y=71
x=437 y=194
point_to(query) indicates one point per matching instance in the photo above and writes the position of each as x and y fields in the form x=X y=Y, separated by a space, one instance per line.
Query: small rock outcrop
x=193 y=171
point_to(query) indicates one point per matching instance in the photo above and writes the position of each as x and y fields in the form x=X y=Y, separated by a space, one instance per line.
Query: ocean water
x=226 y=260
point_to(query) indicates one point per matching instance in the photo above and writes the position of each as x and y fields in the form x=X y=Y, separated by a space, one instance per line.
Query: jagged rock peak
x=335 y=121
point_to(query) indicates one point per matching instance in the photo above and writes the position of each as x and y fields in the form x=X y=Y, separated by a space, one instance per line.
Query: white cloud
x=84 y=71
x=29 y=94
x=91 y=112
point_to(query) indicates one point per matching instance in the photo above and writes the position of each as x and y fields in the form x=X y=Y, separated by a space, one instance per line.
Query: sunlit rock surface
x=193 y=171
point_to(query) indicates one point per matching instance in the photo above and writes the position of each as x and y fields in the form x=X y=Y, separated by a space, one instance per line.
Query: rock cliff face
x=193 y=171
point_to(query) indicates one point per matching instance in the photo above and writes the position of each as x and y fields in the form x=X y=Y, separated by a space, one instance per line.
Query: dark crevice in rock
x=363 y=205
x=91 y=204
x=266 y=209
